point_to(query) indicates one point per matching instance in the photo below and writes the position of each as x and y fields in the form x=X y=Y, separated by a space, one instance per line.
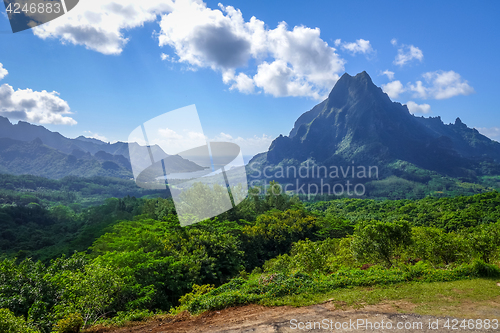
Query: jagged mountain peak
x=359 y=122
x=354 y=86
x=350 y=94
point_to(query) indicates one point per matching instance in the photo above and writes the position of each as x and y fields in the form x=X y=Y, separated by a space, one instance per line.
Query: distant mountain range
x=358 y=125
x=31 y=149
x=355 y=131
x=23 y=131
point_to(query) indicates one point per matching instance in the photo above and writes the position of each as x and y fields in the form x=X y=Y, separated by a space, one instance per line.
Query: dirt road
x=326 y=318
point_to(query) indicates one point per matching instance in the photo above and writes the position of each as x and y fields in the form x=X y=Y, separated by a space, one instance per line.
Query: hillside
x=27 y=132
x=36 y=158
x=32 y=149
x=359 y=126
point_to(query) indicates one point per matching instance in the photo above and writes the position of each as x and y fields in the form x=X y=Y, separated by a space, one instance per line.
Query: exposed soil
x=256 y=318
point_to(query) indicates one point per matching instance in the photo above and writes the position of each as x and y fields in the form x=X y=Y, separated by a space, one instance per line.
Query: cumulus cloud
x=360 y=46
x=3 y=72
x=418 y=108
x=436 y=85
x=97 y=136
x=169 y=134
x=393 y=89
x=491 y=132
x=172 y=141
x=242 y=82
x=389 y=74
x=249 y=146
x=441 y=85
x=99 y=25
x=407 y=53
x=41 y=107
x=167 y=138
x=290 y=62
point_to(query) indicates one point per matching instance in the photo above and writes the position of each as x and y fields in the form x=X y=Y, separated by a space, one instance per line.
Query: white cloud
x=172 y=141
x=360 y=46
x=390 y=75
x=393 y=89
x=289 y=62
x=243 y=83
x=204 y=37
x=168 y=139
x=3 y=72
x=97 y=136
x=441 y=85
x=279 y=79
x=169 y=134
x=491 y=132
x=407 y=53
x=196 y=136
x=99 y=25
x=294 y=62
x=223 y=137
x=394 y=41
x=41 y=107
x=418 y=108
x=419 y=89
x=249 y=146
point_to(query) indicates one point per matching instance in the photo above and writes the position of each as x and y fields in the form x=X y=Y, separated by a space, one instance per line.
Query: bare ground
x=256 y=318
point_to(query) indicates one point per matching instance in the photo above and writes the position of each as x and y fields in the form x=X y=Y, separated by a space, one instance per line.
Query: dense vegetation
x=46 y=233
x=267 y=247
x=76 y=192
x=44 y=218
x=396 y=181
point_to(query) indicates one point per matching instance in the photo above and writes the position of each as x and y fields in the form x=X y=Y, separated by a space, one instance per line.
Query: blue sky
x=250 y=67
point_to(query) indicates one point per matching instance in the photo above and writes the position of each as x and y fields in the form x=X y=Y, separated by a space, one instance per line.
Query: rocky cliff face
x=358 y=122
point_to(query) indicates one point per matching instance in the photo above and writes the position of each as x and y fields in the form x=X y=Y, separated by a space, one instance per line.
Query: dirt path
x=255 y=318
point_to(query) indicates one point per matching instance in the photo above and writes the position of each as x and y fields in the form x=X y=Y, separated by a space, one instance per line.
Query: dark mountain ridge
x=35 y=158
x=27 y=132
x=32 y=149
x=358 y=123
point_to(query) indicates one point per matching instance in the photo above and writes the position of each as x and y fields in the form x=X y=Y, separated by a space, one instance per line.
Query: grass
x=471 y=299
x=270 y=288
x=475 y=298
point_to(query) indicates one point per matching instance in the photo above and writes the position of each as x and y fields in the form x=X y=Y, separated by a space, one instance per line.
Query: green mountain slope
x=35 y=158
x=358 y=125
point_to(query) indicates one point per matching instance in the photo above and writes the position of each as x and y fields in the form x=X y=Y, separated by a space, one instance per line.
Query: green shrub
x=9 y=323
x=439 y=247
x=485 y=241
x=89 y=292
x=197 y=291
x=305 y=256
x=483 y=269
x=72 y=323
x=124 y=317
x=282 y=263
x=268 y=287
x=256 y=271
x=377 y=241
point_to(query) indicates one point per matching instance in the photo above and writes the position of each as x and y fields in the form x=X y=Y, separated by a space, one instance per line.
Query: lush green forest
x=75 y=192
x=44 y=218
x=134 y=260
